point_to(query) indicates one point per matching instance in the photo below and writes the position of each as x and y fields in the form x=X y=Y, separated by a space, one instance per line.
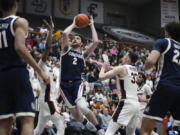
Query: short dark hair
x=6 y=5
x=173 y=29
x=143 y=76
x=82 y=39
x=134 y=57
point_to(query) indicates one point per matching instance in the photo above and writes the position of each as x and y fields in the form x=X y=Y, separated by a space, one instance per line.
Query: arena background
x=145 y=16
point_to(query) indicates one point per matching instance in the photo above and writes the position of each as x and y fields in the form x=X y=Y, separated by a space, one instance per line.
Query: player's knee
x=82 y=106
x=147 y=125
x=27 y=125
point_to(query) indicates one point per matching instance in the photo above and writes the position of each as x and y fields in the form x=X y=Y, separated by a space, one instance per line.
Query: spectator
x=105 y=118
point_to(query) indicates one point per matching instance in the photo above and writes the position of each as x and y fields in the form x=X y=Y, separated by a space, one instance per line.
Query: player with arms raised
x=128 y=106
x=72 y=66
x=16 y=98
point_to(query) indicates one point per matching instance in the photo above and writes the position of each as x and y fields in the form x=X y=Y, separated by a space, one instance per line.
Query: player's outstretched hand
x=49 y=25
x=91 y=20
x=74 y=23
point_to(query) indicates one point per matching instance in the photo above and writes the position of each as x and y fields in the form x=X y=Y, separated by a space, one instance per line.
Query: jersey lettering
x=74 y=61
x=176 y=57
x=3 y=39
x=134 y=77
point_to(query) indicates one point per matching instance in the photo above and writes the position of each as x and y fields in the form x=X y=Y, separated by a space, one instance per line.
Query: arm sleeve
x=160 y=45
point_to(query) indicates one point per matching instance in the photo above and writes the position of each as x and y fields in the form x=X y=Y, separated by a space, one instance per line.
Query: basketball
x=82 y=20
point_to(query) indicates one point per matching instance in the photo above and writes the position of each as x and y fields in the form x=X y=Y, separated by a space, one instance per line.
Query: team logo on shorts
x=33 y=106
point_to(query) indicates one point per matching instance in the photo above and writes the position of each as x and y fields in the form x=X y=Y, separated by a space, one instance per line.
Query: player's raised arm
x=99 y=64
x=21 y=30
x=95 y=39
x=119 y=70
x=152 y=59
x=65 y=36
x=50 y=27
x=160 y=46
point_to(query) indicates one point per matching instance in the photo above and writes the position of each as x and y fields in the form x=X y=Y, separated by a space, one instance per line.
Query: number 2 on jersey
x=3 y=39
x=74 y=61
x=176 y=57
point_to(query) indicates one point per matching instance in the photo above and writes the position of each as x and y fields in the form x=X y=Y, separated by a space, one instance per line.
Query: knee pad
x=82 y=105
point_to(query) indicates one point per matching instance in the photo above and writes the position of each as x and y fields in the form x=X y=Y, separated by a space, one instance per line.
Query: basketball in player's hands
x=82 y=20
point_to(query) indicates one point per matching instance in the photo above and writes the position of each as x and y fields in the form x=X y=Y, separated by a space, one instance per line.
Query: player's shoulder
x=161 y=45
x=162 y=41
x=21 y=22
x=131 y=68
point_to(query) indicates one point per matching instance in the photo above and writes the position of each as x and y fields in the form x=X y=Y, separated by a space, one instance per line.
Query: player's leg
x=147 y=126
x=83 y=105
x=112 y=128
x=131 y=128
x=76 y=114
x=126 y=113
x=6 y=126
x=59 y=122
x=7 y=87
x=42 y=120
x=162 y=98
x=27 y=125
x=24 y=101
x=67 y=92
x=175 y=108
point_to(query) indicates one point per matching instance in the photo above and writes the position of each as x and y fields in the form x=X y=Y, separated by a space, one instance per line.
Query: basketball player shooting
x=72 y=65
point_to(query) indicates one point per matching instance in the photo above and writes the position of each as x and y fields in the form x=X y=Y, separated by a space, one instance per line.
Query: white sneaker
x=100 y=132
x=90 y=127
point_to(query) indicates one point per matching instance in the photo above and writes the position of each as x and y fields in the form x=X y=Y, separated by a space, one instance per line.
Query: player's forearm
x=152 y=59
x=102 y=74
x=68 y=30
x=100 y=64
x=89 y=50
x=23 y=52
x=48 y=46
x=65 y=37
x=149 y=64
x=94 y=34
x=94 y=43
